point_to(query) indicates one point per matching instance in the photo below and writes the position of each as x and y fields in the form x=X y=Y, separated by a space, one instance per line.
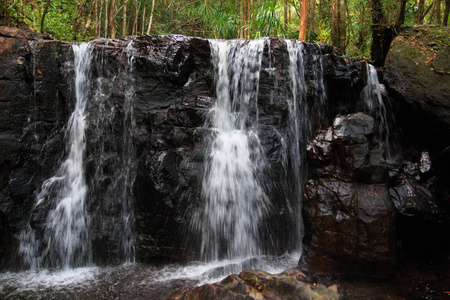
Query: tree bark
x=382 y=35
x=47 y=4
x=112 y=12
x=106 y=18
x=143 y=22
x=437 y=11
x=342 y=26
x=96 y=17
x=124 y=21
x=303 y=20
x=335 y=23
x=419 y=19
x=151 y=17
x=446 y=12
x=401 y=15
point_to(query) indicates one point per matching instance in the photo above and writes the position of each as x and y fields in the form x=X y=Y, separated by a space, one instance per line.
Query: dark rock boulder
x=417 y=78
x=260 y=285
x=348 y=213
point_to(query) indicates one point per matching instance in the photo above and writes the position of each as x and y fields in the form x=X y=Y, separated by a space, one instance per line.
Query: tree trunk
x=135 y=25
x=335 y=23
x=303 y=20
x=419 y=19
x=151 y=17
x=446 y=12
x=342 y=26
x=106 y=18
x=96 y=17
x=124 y=20
x=382 y=35
x=47 y=4
x=112 y=13
x=437 y=11
x=401 y=15
x=80 y=9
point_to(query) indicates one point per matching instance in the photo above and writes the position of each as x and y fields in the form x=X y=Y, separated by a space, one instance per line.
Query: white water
x=299 y=123
x=374 y=106
x=234 y=200
x=65 y=241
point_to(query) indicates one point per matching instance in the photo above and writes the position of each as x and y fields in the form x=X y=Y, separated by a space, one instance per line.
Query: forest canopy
x=350 y=25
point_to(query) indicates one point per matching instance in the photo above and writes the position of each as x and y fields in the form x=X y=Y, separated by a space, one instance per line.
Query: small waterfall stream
x=374 y=105
x=65 y=242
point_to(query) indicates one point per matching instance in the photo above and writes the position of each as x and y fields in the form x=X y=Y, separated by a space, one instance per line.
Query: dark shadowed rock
x=417 y=79
x=158 y=162
x=348 y=213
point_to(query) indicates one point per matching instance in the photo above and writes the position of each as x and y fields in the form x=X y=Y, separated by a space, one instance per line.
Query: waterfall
x=374 y=106
x=65 y=242
x=298 y=128
x=234 y=199
x=128 y=162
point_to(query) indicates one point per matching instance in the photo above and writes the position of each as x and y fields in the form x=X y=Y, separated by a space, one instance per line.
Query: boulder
x=348 y=213
x=256 y=284
x=416 y=75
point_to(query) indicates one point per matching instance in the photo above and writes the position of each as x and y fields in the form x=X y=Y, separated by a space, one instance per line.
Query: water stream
x=65 y=242
x=235 y=200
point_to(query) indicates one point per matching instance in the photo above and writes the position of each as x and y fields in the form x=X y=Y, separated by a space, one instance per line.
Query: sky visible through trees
x=350 y=25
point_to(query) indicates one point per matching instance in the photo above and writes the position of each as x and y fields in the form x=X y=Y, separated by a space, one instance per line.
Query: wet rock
x=348 y=213
x=260 y=285
x=348 y=151
x=408 y=192
x=172 y=89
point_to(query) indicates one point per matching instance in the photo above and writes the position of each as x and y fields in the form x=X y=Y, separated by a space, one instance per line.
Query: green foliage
x=268 y=20
x=224 y=19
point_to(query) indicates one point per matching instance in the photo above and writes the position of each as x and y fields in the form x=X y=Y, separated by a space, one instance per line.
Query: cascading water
x=65 y=242
x=235 y=202
x=114 y=161
x=374 y=105
x=128 y=162
x=298 y=128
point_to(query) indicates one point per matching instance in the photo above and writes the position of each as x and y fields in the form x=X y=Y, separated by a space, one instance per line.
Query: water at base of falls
x=235 y=203
x=127 y=281
x=65 y=242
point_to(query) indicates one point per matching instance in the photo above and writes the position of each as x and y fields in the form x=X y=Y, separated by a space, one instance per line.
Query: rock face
x=152 y=151
x=348 y=213
x=260 y=285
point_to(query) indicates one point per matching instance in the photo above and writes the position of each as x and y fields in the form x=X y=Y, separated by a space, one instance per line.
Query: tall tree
x=401 y=15
x=419 y=19
x=46 y=6
x=303 y=20
x=124 y=18
x=382 y=35
x=112 y=14
x=436 y=14
x=338 y=24
x=151 y=17
x=446 y=12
